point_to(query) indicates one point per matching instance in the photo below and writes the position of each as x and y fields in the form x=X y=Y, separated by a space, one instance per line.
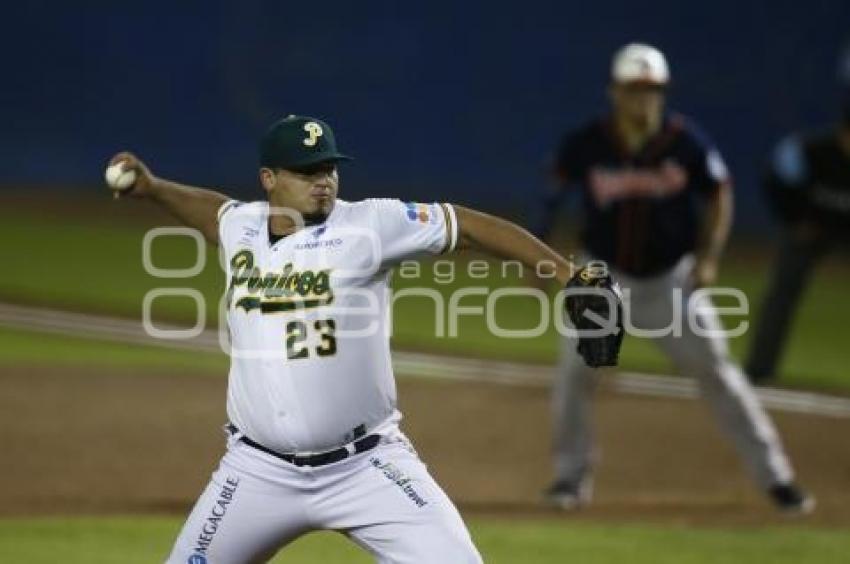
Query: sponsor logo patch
x=248 y=233
x=213 y=521
x=422 y=213
x=323 y=244
x=395 y=475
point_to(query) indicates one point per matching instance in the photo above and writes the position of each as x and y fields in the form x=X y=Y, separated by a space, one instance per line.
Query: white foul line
x=412 y=363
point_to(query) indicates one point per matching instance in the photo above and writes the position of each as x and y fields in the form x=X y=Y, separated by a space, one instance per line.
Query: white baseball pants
x=383 y=499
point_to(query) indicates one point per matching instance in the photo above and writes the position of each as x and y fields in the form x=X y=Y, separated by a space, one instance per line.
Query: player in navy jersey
x=657 y=203
x=808 y=186
x=641 y=203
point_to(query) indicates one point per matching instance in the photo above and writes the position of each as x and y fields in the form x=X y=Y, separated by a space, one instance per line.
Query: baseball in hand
x=119 y=179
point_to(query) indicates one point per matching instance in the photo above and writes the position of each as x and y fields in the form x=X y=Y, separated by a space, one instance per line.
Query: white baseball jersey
x=309 y=318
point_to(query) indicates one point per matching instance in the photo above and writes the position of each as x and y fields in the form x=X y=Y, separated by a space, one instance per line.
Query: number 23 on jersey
x=297 y=334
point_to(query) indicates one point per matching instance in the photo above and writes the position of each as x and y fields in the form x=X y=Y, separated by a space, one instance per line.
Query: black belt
x=322 y=458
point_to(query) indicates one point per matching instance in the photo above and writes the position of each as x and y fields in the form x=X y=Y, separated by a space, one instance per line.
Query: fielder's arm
x=713 y=236
x=193 y=207
x=501 y=238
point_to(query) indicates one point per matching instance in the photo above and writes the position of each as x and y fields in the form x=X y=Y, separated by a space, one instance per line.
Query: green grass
x=100 y=270
x=27 y=348
x=95 y=266
x=130 y=540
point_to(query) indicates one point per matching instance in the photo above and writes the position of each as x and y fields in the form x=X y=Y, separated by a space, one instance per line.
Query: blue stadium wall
x=454 y=101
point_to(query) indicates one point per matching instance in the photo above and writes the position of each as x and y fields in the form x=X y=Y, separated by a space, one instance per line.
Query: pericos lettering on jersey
x=274 y=292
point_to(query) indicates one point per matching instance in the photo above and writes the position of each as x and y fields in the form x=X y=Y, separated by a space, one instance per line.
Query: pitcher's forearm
x=193 y=207
x=505 y=239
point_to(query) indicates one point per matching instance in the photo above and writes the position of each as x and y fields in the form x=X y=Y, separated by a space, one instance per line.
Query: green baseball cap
x=298 y=141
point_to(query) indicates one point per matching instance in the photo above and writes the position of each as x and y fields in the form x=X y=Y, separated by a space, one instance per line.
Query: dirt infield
x=94 y=441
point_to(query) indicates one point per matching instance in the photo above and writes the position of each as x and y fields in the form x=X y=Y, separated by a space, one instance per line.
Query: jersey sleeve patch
x=435 y=214
x=408 y=229
x=422 y=213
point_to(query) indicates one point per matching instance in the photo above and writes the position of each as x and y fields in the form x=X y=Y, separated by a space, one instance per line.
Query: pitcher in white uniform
x=314 y=441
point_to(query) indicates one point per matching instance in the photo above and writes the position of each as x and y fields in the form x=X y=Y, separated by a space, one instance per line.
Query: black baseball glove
x=593 y=298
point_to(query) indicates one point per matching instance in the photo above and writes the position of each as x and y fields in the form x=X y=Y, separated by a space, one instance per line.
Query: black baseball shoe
x=569 y=495
x=789 y=498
